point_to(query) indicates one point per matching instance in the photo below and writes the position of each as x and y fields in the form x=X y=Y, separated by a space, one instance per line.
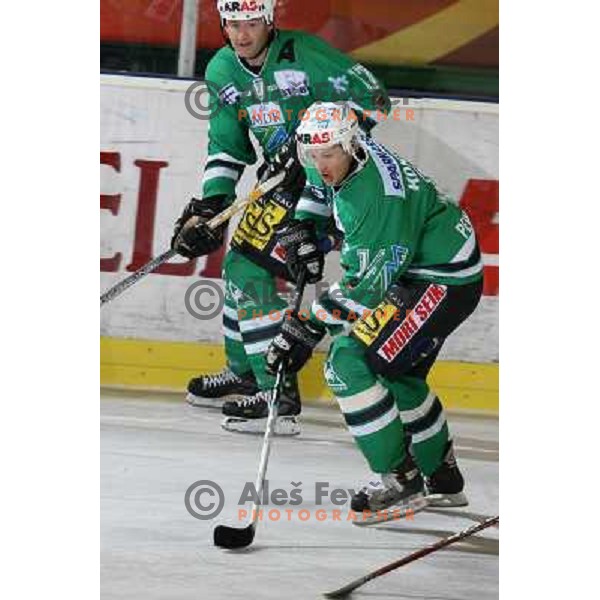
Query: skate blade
x=287 y=425
x=396 y=512
x=447 y=500
x=201 y=402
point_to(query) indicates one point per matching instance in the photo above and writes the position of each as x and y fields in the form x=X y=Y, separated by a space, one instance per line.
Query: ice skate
x=213 y=390
x=249 y=415
x=400 y=493
x=445 y=486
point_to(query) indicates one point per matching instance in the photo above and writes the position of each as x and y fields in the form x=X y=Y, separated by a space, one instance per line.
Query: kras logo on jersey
x=292 y=83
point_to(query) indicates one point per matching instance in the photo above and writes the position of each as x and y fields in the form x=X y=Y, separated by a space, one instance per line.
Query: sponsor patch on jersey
x=415 y=319
x=278 y=137
x=266 y=115
x=388 y=168
x=370 y=325
x=412 y=175
x=278 y=253
x=285 y=199
x=259 y=223
x=292 y=83
x=229 y=94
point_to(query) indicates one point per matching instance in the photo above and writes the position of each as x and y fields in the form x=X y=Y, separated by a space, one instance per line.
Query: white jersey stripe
x=363 y=399
x=215 y=172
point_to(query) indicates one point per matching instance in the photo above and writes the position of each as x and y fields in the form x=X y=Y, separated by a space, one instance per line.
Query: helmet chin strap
x=359 y=154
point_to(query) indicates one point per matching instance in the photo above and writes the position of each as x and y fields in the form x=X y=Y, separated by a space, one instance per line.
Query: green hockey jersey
x=396 y=224
x=299 y=70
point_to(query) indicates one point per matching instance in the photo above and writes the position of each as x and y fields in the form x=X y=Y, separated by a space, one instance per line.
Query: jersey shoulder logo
x=339 y=84
x=364 y=75
x=229 y=94
x=292 y=83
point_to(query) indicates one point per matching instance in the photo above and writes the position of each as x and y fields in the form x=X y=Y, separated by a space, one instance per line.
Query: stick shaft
x=264 y=455
x=266 y=448
x=126 y=283
x=461 y=535
x=219 y=219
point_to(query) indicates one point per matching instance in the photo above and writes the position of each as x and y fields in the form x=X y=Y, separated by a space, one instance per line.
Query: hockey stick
x=255 y=194
x=234 y=537
x=461 y=535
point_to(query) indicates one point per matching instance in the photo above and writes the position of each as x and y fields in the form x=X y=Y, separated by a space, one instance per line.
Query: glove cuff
x=307 y=332
x=207 y=207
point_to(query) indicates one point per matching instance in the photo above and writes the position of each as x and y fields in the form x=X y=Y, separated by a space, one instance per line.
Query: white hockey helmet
x=244 y=10
x=326 y=124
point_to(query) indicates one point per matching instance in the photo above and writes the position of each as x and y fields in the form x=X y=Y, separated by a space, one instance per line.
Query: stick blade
x=232 y=537
x=344 y=591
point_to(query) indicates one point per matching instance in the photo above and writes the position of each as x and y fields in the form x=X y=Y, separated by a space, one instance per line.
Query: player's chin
x=244 y=51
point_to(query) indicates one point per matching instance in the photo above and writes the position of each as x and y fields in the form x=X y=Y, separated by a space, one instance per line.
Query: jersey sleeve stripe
x=216 y=172
x=316 y=208
x=467 y=250
x=213 y=163
x=226 y=158
x=450 y=268
x=468 y=272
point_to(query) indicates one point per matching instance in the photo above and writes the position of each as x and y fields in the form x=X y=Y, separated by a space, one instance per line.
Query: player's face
x=248 y=38
x=332 y=163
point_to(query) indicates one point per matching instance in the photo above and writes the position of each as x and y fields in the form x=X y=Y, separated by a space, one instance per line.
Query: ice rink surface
x=153 y=448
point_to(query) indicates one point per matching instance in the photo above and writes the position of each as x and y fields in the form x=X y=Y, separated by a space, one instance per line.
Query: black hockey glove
x=302 y=250
x=293 y=345
x=192 y=237
x=285 y=160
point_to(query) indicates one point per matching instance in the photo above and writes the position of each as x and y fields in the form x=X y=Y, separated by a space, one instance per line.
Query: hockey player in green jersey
x=261 y=83
x=412 y=273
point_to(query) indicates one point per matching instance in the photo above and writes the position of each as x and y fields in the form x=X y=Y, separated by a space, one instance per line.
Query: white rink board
x=146 y=119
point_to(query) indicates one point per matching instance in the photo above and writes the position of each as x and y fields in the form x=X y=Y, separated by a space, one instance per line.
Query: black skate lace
x=222 y=378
